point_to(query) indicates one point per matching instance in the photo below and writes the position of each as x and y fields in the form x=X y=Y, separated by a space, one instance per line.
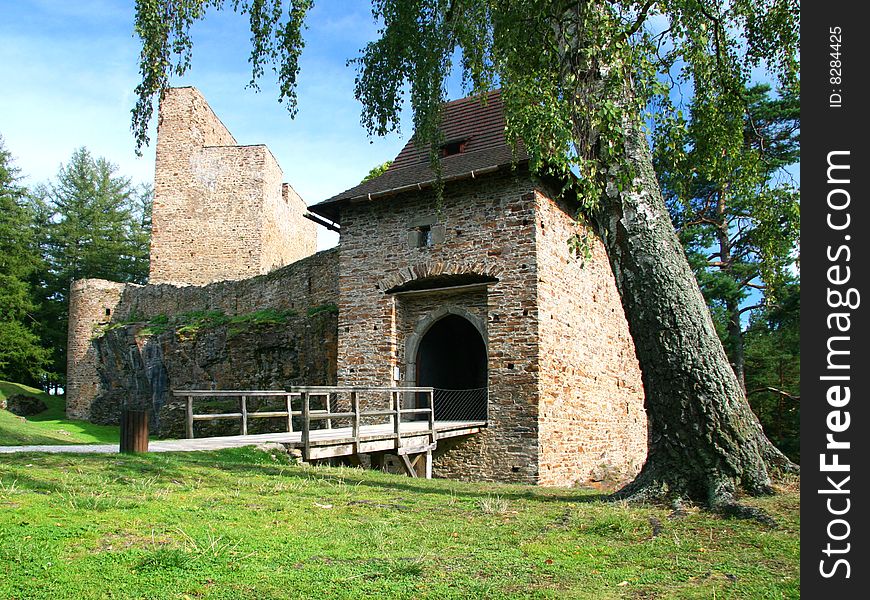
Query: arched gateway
x=449 y=354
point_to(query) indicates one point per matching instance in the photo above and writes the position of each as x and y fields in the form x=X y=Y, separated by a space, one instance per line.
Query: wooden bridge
x=366 y=428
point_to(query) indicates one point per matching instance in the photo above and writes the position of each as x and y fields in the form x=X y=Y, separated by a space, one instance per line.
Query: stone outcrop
x=24 y=405
x=139 y=371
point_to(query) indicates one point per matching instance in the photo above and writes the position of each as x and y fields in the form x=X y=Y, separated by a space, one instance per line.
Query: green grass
x=50 y=426
x=244 y=524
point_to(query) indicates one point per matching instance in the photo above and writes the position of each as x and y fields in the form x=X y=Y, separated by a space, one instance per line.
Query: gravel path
x=215 y=443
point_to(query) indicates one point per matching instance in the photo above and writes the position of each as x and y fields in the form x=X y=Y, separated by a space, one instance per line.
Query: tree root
x=644 y=489
x=777 y=462
x=735 y=510
x=650 y=489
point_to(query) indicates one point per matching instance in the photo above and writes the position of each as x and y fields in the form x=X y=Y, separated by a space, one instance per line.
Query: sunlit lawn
x=50 y=426
x=246 y=524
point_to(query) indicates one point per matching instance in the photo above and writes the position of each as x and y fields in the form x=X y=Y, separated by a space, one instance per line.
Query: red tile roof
x=479 y=125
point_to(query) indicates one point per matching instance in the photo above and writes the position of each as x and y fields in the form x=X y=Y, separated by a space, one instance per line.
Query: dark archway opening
x=452 y=358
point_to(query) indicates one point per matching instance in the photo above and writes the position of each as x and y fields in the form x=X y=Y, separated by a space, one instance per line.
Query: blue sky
x=68 y=70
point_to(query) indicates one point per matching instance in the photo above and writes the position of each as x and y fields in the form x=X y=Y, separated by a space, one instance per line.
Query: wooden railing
x=395 y=411
x=244 y=415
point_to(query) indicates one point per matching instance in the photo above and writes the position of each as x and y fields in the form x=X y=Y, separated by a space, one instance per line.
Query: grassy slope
x=50 y=426
x=241 y=524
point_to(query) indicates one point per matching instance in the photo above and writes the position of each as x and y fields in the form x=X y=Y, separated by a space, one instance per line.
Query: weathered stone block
x=24 y=405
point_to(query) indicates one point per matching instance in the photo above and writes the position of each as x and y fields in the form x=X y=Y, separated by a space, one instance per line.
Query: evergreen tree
x=734 y=207
x=22 y=358
x=91 y=223
x=140 y=234
x=773 y=376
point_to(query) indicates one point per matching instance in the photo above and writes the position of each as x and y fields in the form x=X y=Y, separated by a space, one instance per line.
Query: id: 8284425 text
x=835 y=72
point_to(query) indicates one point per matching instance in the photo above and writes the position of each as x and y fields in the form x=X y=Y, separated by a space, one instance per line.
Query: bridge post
x=306 y=426
x=398 y=418
x=244 y=415
x=189 y=417
x=354 y=403
x=431 y=418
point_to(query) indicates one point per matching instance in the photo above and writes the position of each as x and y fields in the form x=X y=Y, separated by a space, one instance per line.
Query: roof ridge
x=494 y=91
x=478 y=120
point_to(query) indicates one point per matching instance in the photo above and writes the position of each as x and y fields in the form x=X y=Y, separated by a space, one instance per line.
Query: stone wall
x=92 y=302
x=592 y=419
x=287 y=236
x=300 y=286
x=220 y=210
x=140 y=371
x=488 y=229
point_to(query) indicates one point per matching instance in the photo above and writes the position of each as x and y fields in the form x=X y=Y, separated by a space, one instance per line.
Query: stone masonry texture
x=560 y=361
x=592 y=424
x=220 y=210
x=565 y=398
x=92 y=302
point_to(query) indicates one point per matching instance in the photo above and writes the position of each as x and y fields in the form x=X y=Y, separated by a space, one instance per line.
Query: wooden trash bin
x=134 y=430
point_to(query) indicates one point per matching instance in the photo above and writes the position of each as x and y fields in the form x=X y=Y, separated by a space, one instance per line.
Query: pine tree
x=773 y=368
x=22 y=358
x=734 y=206
x=91 y=223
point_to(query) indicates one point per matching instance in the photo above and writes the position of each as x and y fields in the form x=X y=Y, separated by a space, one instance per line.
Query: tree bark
x=705 y=443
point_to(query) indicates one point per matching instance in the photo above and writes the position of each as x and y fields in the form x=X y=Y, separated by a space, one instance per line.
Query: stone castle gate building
x=476 y=294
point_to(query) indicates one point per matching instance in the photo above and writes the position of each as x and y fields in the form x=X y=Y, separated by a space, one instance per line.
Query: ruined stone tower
x=221 y=214
x=220 y=210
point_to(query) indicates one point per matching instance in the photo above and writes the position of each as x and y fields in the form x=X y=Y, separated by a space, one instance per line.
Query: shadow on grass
x=375 y=479
x=15 y=437
x=247 y=461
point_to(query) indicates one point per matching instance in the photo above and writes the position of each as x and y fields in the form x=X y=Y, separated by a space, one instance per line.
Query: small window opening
x=451 y=148
x=108 y=312
x=424 y=237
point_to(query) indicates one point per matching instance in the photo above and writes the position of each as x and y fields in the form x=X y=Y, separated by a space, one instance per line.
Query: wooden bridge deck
x=417 y=436
x=324 y=442
x=338 y=441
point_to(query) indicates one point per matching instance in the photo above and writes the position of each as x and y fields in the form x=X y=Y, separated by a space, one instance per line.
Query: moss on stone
x=330 y=308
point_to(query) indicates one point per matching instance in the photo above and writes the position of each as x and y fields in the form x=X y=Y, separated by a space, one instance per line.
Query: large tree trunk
x=704 y=441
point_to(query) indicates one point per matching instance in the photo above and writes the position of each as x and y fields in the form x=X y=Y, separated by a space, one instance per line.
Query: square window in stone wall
x=426 y=235
x=421 y=236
